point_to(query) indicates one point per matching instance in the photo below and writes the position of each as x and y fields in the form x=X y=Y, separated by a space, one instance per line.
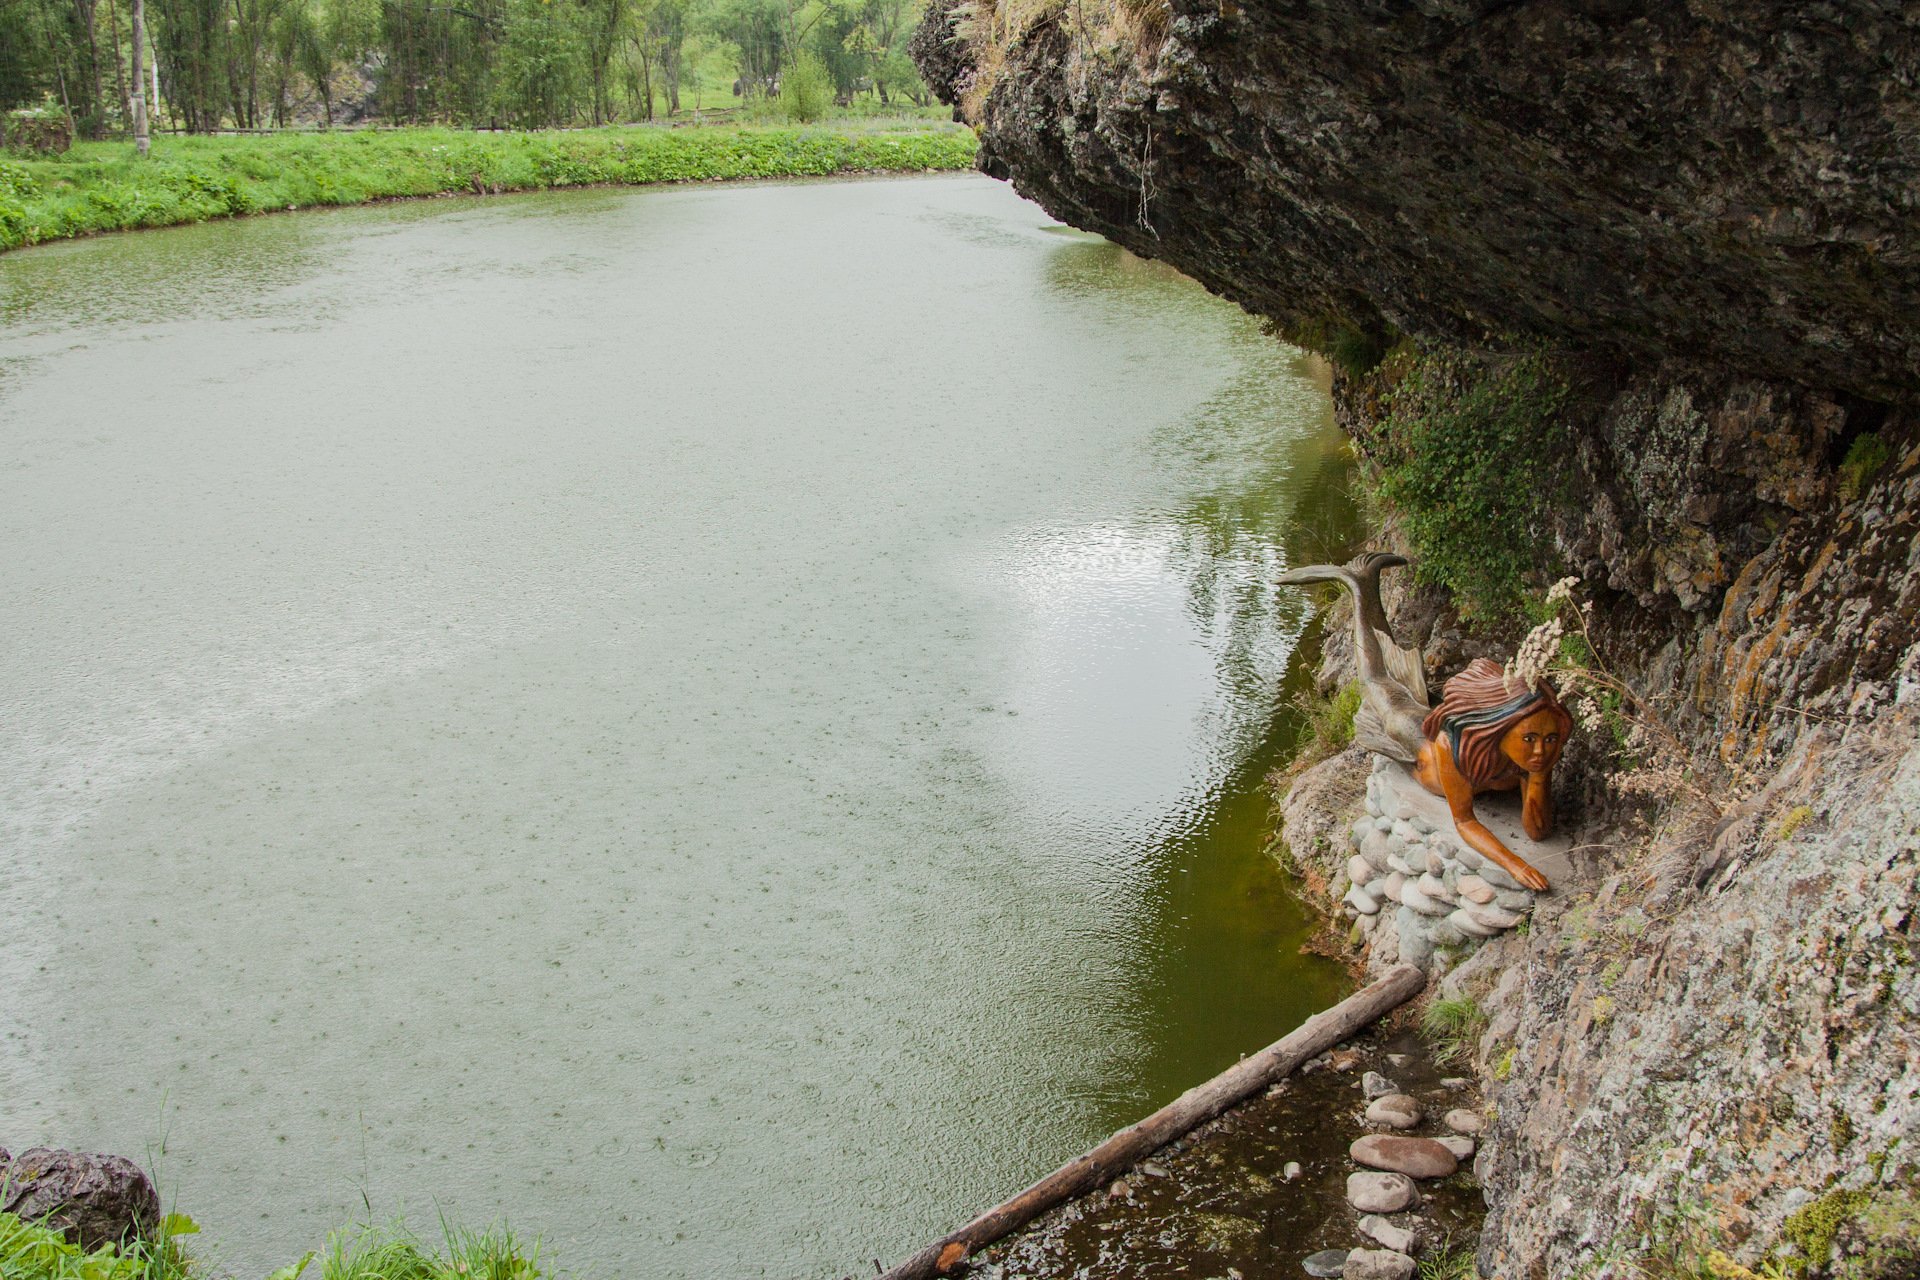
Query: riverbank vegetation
x=210 y=65
x=103 y=187
x=1471 y=455
x=35 y=1251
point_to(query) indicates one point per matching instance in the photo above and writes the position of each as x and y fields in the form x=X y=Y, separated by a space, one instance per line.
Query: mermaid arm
x=1459 y=794
x=1536 y=806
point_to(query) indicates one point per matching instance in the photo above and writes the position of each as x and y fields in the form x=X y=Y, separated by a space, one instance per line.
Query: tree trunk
x=89 y=14
x=1181 y=1116
x=140 y=139
x=119 y=74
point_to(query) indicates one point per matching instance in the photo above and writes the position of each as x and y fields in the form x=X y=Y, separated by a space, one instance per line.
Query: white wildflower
x=1589 y=714
x=1537 y=653
x=1561 y=592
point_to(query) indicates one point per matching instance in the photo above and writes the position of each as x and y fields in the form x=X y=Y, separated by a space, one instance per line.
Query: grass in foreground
x=30 y=1251
x=102 y=186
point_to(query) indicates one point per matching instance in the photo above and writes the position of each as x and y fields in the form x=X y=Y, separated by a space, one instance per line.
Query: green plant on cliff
x=1326 y=727
x=1354 y=349
x=1473 y=455
x=1865 y=458
x=1811 y=1229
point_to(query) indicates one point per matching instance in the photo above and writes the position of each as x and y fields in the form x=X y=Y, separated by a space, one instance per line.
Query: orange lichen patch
x=950 y=1257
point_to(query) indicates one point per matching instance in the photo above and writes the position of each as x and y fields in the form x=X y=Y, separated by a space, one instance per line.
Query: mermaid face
x=1533 y=742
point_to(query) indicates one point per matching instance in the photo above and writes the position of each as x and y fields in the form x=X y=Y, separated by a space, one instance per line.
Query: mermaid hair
x=1476 y=709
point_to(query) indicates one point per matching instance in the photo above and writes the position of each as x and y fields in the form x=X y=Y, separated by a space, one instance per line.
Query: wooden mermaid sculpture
x=1491 y=731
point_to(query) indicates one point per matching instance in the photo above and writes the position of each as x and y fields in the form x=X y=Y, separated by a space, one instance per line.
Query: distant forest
x=261 y=64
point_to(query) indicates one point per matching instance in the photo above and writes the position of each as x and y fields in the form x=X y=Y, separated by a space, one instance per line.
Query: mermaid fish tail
x=1393 y=678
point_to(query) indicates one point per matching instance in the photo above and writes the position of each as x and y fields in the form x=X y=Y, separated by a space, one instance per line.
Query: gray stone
x=1436 y=863
x=1360 y=900
x=1379 y=1230
x=1391 y=886
x=1380 y=1192
x=1468 y=858
x=1326 y=1263
x=1400 y=864
x=1361 y=830
x=1493 y=875
x=1410 y=896
x=1461 y=1147
x=1416 y=948
x=1434 y=887
x=1374 y=849
x=1359 y=870
x=1374 y=1085
x=1415 y=1157
x=1469 y=926
x=1422 y=825
x=1460 y=1120
x=1383 y=825
x=1378 y=1264
x=1395 y=1110
x=1513 y=900
x=1454 y=1082
x=1474 y=889
x=1492 y=917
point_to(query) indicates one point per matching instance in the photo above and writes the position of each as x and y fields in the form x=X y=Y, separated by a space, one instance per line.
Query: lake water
x=722 y=725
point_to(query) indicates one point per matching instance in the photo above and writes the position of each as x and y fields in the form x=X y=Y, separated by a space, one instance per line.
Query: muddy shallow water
x=723 y=725
x=1219 y=1203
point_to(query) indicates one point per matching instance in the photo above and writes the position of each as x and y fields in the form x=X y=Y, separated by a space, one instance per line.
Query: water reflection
x=733 y=705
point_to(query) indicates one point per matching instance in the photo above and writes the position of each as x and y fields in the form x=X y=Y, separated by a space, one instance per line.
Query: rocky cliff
x=1705 y=218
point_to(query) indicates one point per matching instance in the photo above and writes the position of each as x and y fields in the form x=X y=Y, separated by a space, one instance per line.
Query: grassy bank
x=34 y=1251
x=103 y=187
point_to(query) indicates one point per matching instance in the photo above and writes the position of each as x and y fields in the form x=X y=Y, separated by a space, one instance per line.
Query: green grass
x=1453 y=1027
x=31 y=1251
x=1326 y=727
x=102 y=186
x=393 y=1253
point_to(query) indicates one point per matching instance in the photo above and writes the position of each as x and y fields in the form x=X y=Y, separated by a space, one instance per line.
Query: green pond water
x=721 y=725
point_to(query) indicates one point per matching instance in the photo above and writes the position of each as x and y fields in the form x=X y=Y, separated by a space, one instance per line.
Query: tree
x=757 y=30
x=140 y=139
x=541 y=64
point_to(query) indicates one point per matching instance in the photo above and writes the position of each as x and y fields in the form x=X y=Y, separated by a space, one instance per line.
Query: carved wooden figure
x=1491 y=732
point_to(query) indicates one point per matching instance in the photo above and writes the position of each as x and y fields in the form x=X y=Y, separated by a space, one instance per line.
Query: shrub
x=1352 y=348
x=41 y=131
x=806 y=90
x=1473 y=455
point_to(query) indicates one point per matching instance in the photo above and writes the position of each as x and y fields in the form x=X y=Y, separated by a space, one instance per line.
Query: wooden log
x=1181 y=1116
